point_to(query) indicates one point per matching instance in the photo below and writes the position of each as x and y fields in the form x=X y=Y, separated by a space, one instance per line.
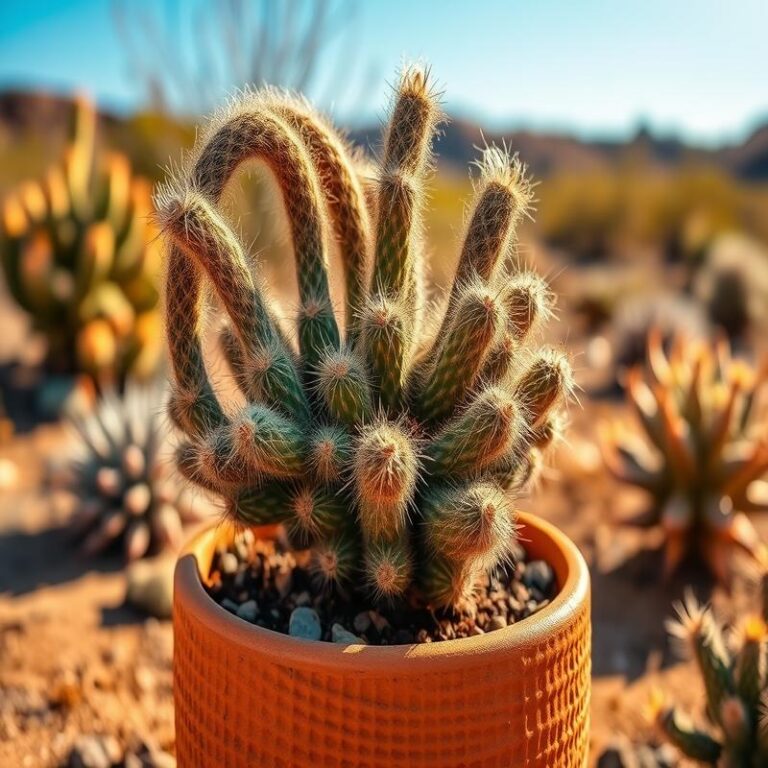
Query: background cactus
x=78 y=254
x=703 y=452
x=394 y=456
x=121 y=479
x=733 y=671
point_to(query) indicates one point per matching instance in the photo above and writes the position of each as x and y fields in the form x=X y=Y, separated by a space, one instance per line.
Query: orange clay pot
x=248 y=697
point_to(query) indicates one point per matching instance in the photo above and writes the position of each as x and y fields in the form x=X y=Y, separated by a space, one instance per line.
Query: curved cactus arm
x=693 y=743
x=502 y=198
x=203 y=235
x=15 y=226
x=245 y=132
x=388 y=566
x=263 y=505
x=385 y=470
x=330 y=453
x=198 y=409
x=472 y=332
x=443 y=581
x=406 y=157
x=387 y=339
x=318 y=514
x=269 y=443
x=335 y=562
x=342 y=381
x=343 y=194
x=489 y=428
x=469 y=524
x=546 y=381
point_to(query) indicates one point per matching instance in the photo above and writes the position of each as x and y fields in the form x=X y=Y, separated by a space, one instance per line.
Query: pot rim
x=540 y=538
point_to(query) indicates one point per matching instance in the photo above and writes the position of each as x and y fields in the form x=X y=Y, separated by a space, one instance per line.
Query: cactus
x=120 y=475
x=703 y=455
x=78 y=254
x=394 y=458
x=735 y=679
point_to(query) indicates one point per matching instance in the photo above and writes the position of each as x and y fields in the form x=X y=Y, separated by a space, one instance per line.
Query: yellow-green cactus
x=395 y=457
x=79 y=256
x=702 y=451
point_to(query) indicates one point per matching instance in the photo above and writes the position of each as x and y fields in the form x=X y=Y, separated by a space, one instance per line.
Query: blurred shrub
x=609 y=213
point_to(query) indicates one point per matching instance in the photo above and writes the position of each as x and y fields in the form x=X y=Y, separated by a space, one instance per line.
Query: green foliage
x=78 y=254
x=120 y=476
x=735 y=680
x=387 y=453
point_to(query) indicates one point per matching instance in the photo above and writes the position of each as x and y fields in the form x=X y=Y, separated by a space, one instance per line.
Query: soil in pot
x=265 y=583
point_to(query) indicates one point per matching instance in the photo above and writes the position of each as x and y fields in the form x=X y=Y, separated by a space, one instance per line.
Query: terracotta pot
x=249 y=697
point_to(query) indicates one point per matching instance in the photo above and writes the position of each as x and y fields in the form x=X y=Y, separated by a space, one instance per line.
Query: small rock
x=150 y=586
x=477 y=631
x=305 y=622
x=229 y=605
x=667 y=756
x=95 y=751
x=341 y=635
x=283 y=583
x=249 y=610
x=496 y=622
x=362 y=622
x=9 y=475
x=539 y=575
x=378 y=621
x=303 y=598
x=228 y=563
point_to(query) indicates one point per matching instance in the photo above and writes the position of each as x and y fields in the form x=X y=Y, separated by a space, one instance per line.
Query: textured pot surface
x=247 y=697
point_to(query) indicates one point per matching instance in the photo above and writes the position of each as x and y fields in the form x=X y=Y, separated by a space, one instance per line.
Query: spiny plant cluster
x=393 y=455
x=703 y=450
x=120 y=475
x=735 y=677
x=78 y=256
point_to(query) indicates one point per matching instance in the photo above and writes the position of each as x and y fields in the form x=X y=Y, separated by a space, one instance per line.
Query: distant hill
x=151 y=138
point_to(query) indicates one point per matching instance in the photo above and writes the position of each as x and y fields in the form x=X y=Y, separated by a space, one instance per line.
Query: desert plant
x=392 y=457
x=734 y=674
x=121 y=475
x=733 y=284
x=78 y=256
x=703 y=453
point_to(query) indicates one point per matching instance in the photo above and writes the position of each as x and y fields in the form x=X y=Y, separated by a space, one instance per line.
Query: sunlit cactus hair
x=79 y=254
x=393 y=456
x=734 y=674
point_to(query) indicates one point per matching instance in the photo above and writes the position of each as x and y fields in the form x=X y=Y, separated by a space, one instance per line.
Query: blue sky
x=696 y=67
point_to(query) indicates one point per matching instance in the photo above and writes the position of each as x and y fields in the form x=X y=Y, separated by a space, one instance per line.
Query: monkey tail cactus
x=393 y=456
x=733 y=673
x=78 y=255
x=701 y=452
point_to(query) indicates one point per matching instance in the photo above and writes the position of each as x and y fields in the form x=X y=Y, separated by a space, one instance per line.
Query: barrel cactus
x=78 y=254
x=703 y=455
x=394 y=457
x=121 y=476
x=735 y=678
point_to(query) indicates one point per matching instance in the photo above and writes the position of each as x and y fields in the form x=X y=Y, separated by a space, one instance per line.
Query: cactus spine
x=392 y=470
x=78 y=254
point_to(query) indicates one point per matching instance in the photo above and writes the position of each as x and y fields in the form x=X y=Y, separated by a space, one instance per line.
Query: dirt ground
x=75 y=660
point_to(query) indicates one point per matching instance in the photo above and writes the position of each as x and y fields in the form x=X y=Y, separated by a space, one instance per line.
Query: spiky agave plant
x=78 y=254
x=121 y=475
x=704 y=451
x=733 y=671
x=394 y=458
